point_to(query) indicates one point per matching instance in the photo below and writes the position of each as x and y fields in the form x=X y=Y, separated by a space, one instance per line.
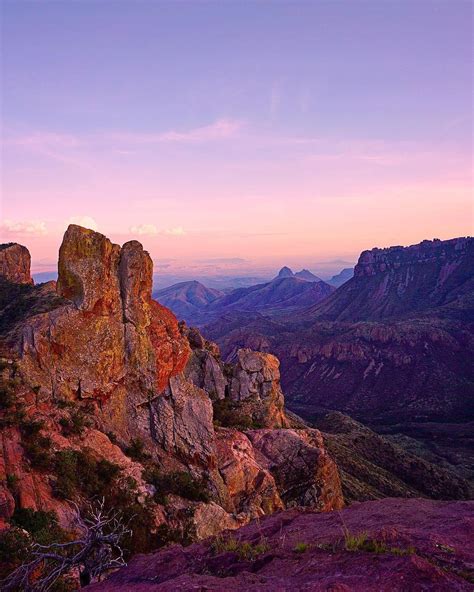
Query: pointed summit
x=285 y=272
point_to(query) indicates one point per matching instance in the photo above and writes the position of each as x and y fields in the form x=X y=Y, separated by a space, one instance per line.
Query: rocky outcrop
x=181 y=422
x=15 y=262
x=204 y=367
x=138 y=390
x=255 y=386
x=423 y=545
x=110 y=343
x=251 y=487
x=304 y=472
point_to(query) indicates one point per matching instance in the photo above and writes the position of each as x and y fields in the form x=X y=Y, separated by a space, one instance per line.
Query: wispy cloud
x=26 y=228
x=152 y=230
x=220 y=129
x=144 y=230
x=176 y=231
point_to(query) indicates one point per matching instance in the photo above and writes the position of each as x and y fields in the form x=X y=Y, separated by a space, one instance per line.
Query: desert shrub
x=228 y=415
x=112 y=437
x=36 y=446
x=43 y=526
x=12 y=483
x=7 y=395
x=136 y=450
x=74 y=424
x=178 y=483
x=15 y=546
x=78 y=472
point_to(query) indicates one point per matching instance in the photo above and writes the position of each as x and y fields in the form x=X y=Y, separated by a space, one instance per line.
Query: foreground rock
x=422 y=545
x=95 y=373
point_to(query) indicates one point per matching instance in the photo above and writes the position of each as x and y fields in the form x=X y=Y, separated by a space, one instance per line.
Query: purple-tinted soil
x=430 y=546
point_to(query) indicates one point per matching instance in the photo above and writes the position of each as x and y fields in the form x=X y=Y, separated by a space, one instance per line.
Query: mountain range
x=197 y=305
x=392 y=347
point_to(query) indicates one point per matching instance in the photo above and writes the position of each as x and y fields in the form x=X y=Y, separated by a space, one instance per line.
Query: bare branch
x=96 y=552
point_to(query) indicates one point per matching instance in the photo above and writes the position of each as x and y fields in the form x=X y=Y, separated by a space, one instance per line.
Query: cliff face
x=393 y=344
x=400 y=281
x=98 y=370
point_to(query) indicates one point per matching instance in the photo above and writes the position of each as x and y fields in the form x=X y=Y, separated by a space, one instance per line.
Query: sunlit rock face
x=110 y=343
x=96 y=342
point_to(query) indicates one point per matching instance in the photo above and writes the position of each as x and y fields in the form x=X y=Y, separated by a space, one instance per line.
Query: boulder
x=15 y=262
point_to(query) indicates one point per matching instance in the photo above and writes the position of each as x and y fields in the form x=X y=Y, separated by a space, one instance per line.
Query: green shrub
x=245 y=550
x=36 y=446
x=15 y=545
x=301 y=547
x=12 y=483
x=7 y=395
x=74 y=424
x=136 y=450
x=228 y=414
x=43 y=526
x=177 y=483
x=79 y=472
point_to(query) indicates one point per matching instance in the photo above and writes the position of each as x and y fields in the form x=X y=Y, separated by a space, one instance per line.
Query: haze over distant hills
x=394 y=343
x=196 y=304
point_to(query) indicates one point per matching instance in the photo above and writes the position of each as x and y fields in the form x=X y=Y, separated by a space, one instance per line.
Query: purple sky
x=278 y=133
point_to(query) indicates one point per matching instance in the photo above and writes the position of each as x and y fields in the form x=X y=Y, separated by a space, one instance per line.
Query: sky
x=237 y=136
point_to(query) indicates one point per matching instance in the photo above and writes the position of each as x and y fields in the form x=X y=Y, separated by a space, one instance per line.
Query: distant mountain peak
x=285 y=272
x=307 y=275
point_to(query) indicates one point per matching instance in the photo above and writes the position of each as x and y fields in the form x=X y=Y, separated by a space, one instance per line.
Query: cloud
x=26 y=228
x=176 y=231
x=85 y=221
x=220 y=129
x=151 y=230
x=144 y=230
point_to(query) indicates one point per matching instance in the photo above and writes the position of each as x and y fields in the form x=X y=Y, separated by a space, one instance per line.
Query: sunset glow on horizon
x=215 y=132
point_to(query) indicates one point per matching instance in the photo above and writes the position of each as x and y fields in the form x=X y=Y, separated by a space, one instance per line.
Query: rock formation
x=255 y=385
x=15 y=262
x=98 y=368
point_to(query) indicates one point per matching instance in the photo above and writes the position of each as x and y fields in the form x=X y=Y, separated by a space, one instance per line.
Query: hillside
x=393 y=344
x=187 y=299
x=285 y=294
x=383 y=546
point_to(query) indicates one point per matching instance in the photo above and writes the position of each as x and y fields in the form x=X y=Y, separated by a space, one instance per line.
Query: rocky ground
x=389 y=545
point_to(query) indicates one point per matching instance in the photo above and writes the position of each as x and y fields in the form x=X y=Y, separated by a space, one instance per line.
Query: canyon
x=104 y=392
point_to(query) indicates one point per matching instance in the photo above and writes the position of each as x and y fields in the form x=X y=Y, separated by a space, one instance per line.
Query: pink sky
x=244 y=141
